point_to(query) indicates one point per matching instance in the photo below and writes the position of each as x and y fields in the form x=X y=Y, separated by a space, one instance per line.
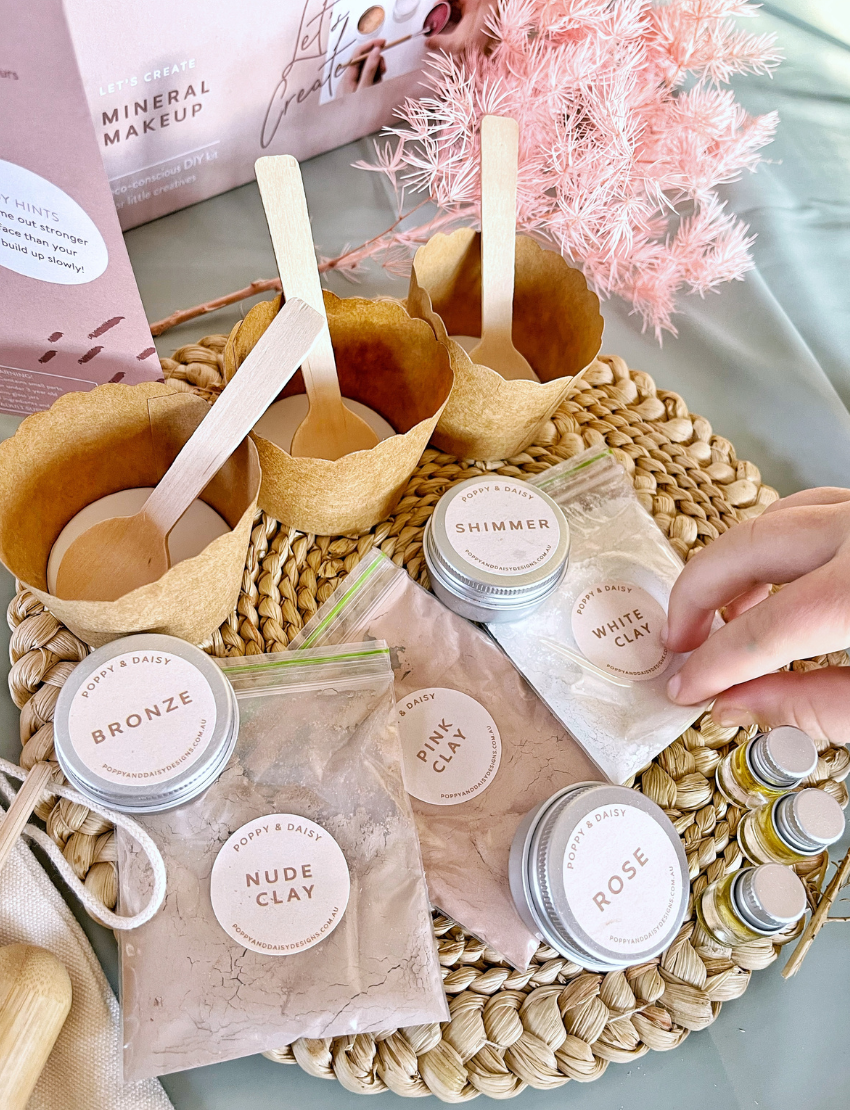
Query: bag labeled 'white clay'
x=594 y=650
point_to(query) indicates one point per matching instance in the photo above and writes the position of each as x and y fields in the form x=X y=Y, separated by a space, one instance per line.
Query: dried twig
x=348 y=260
x=261 y=285
x=819 y=918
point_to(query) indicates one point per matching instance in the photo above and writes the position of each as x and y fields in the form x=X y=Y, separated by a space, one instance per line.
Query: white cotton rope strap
x=94 y=906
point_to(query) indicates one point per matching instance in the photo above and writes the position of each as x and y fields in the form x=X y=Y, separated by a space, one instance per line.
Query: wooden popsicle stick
x=272 y=362
x=20 y=811
x=499 y=151
x=330 y=429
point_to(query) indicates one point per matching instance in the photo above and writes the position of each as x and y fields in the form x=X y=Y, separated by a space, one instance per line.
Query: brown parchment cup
x=557 y=326
x=117 y=437
x=385 y=359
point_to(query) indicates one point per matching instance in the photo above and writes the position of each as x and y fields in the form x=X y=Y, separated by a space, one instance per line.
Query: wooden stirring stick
x=21 y=808
x=120 y=554
x=330 y=429
x=499 y=148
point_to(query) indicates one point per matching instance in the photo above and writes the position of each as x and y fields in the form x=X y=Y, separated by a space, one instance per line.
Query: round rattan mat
x=509 y=1029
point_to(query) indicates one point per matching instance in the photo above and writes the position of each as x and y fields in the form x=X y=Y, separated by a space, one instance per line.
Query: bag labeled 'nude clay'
x=296 y=902
x=480 y=748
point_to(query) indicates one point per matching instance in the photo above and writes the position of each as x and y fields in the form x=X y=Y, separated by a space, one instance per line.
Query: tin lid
x=498 y=540
x=145 y=723
x=782 y=757
x=769 y=897
x=809 y=820
x=608 y=874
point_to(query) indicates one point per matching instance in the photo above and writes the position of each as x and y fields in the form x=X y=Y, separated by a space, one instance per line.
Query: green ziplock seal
x=343 y=601
x=255 y=668
x=574 y=469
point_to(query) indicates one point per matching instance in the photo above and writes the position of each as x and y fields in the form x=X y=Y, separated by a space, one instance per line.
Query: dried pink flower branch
x=625 y=135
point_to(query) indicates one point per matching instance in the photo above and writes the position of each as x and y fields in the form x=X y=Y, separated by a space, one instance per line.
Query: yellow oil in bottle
x=756 y=902
x=717 y=914
x=761 y=843
x=737 y=783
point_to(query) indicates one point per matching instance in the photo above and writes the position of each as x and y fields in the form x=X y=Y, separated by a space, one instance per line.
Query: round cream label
x=280 y=884
x=44 y=233
x=145 y=716
x=502 y=527
x=450 y=746
x=617 y=626
x=622 y=878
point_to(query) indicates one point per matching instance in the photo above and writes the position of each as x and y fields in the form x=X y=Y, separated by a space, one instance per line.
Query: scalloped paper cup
x=557 y=326
x=388 y=361
x=117 y=437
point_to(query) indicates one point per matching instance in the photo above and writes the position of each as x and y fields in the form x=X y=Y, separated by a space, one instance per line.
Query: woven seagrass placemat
x=509 y=1029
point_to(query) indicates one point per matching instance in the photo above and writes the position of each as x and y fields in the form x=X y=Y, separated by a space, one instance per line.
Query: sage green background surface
x=767 y=362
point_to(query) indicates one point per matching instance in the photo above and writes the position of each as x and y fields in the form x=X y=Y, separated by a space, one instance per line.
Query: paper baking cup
x=117 y=437
x=389 y=362
x=557 y=326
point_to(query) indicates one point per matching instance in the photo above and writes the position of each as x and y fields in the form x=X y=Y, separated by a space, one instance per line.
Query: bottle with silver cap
x=496 y=548
x=766 y=767
x=756 y=902
x=796 y=827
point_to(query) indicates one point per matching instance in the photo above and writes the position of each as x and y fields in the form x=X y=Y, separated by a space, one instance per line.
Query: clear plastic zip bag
x=594 y=650
x=480 y=748
x=317 y=758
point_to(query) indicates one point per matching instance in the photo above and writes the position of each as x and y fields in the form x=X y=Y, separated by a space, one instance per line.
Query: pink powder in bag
x=480 y=748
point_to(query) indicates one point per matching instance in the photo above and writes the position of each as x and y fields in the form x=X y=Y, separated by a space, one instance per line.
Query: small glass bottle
x=765 y=768
x=756 y=902
x=796 y=827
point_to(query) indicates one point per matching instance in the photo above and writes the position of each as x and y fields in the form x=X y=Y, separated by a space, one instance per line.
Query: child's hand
x=803 y=540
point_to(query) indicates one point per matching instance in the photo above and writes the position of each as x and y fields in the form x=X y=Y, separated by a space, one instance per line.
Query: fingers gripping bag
x=480 y=749
x=594 y=650
x=296 y=902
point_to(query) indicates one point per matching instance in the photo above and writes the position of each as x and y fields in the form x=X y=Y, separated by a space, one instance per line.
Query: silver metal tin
x=148 y=697
x=489 y=595
x=783 y=757
x=768 y=897
x=808 y=821
x=536 y=872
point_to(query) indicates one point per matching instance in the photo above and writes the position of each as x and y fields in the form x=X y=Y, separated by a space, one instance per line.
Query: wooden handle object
x=282 y=192
x=19 y=811
x=272 y=362
x=35 y=997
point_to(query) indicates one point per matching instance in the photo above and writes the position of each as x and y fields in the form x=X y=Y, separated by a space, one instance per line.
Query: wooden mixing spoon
x=330 y=429
x=120 y=554
x=499 y=148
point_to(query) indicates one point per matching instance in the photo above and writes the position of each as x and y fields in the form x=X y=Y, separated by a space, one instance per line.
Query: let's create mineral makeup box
x=185 y=95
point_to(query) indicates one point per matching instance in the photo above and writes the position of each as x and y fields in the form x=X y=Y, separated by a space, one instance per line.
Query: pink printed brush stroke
x=71 y=314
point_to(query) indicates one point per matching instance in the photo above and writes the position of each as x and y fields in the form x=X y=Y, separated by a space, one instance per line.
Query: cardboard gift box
x=71 y=317
x=185 y=95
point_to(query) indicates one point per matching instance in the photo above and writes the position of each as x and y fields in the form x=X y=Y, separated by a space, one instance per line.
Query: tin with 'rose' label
x=599 y=874
x=145 y=723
